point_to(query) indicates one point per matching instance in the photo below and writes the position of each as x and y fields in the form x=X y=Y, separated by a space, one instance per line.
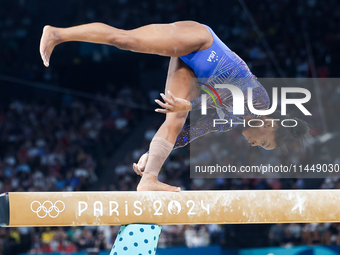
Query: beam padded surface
x=186 y=207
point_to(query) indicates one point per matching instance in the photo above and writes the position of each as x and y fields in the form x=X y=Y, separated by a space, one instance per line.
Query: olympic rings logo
x=48 y=208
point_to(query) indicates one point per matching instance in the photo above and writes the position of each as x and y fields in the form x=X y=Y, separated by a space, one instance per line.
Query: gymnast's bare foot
x=149 y=182
x=49 y=39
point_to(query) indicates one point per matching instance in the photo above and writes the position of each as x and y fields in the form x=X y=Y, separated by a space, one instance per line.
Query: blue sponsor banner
x=215 y=250
x=299 y=250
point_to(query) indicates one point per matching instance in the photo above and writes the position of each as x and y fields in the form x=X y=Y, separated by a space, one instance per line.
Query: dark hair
x=282 y=134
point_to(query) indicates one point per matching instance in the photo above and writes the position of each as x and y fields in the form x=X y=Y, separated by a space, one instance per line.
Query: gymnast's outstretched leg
x=173 y=40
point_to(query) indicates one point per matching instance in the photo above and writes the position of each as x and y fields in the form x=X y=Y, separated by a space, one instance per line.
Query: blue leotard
x=204 y=62
x=219 y=65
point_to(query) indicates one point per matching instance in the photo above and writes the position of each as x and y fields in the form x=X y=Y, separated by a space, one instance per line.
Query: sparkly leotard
x=219 y=65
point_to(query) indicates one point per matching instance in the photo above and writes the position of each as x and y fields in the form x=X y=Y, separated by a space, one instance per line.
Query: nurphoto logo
x=238 y=103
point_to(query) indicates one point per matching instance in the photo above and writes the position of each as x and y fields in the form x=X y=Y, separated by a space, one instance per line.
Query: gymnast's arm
x=201 y=128
x=190 y=133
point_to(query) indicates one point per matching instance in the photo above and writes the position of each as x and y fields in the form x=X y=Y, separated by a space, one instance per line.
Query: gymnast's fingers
x=173 y=98
x=166 y=106
x=163 y=110
x=142 y=161
x=135 y=168
x=140 y=167
x=167 y=99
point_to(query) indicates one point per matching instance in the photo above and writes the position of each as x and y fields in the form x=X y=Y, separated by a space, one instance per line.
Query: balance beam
x=186 y=207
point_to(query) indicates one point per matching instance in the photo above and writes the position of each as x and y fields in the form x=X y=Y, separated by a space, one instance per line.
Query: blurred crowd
x=94 y=239
x=49 y=148
x=310 y=234
x=63 y=144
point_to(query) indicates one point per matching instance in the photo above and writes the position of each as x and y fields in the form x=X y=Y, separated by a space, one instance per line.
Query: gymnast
x=196 y=53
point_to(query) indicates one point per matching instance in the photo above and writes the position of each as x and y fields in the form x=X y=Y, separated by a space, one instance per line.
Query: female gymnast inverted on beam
x=195 y=52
